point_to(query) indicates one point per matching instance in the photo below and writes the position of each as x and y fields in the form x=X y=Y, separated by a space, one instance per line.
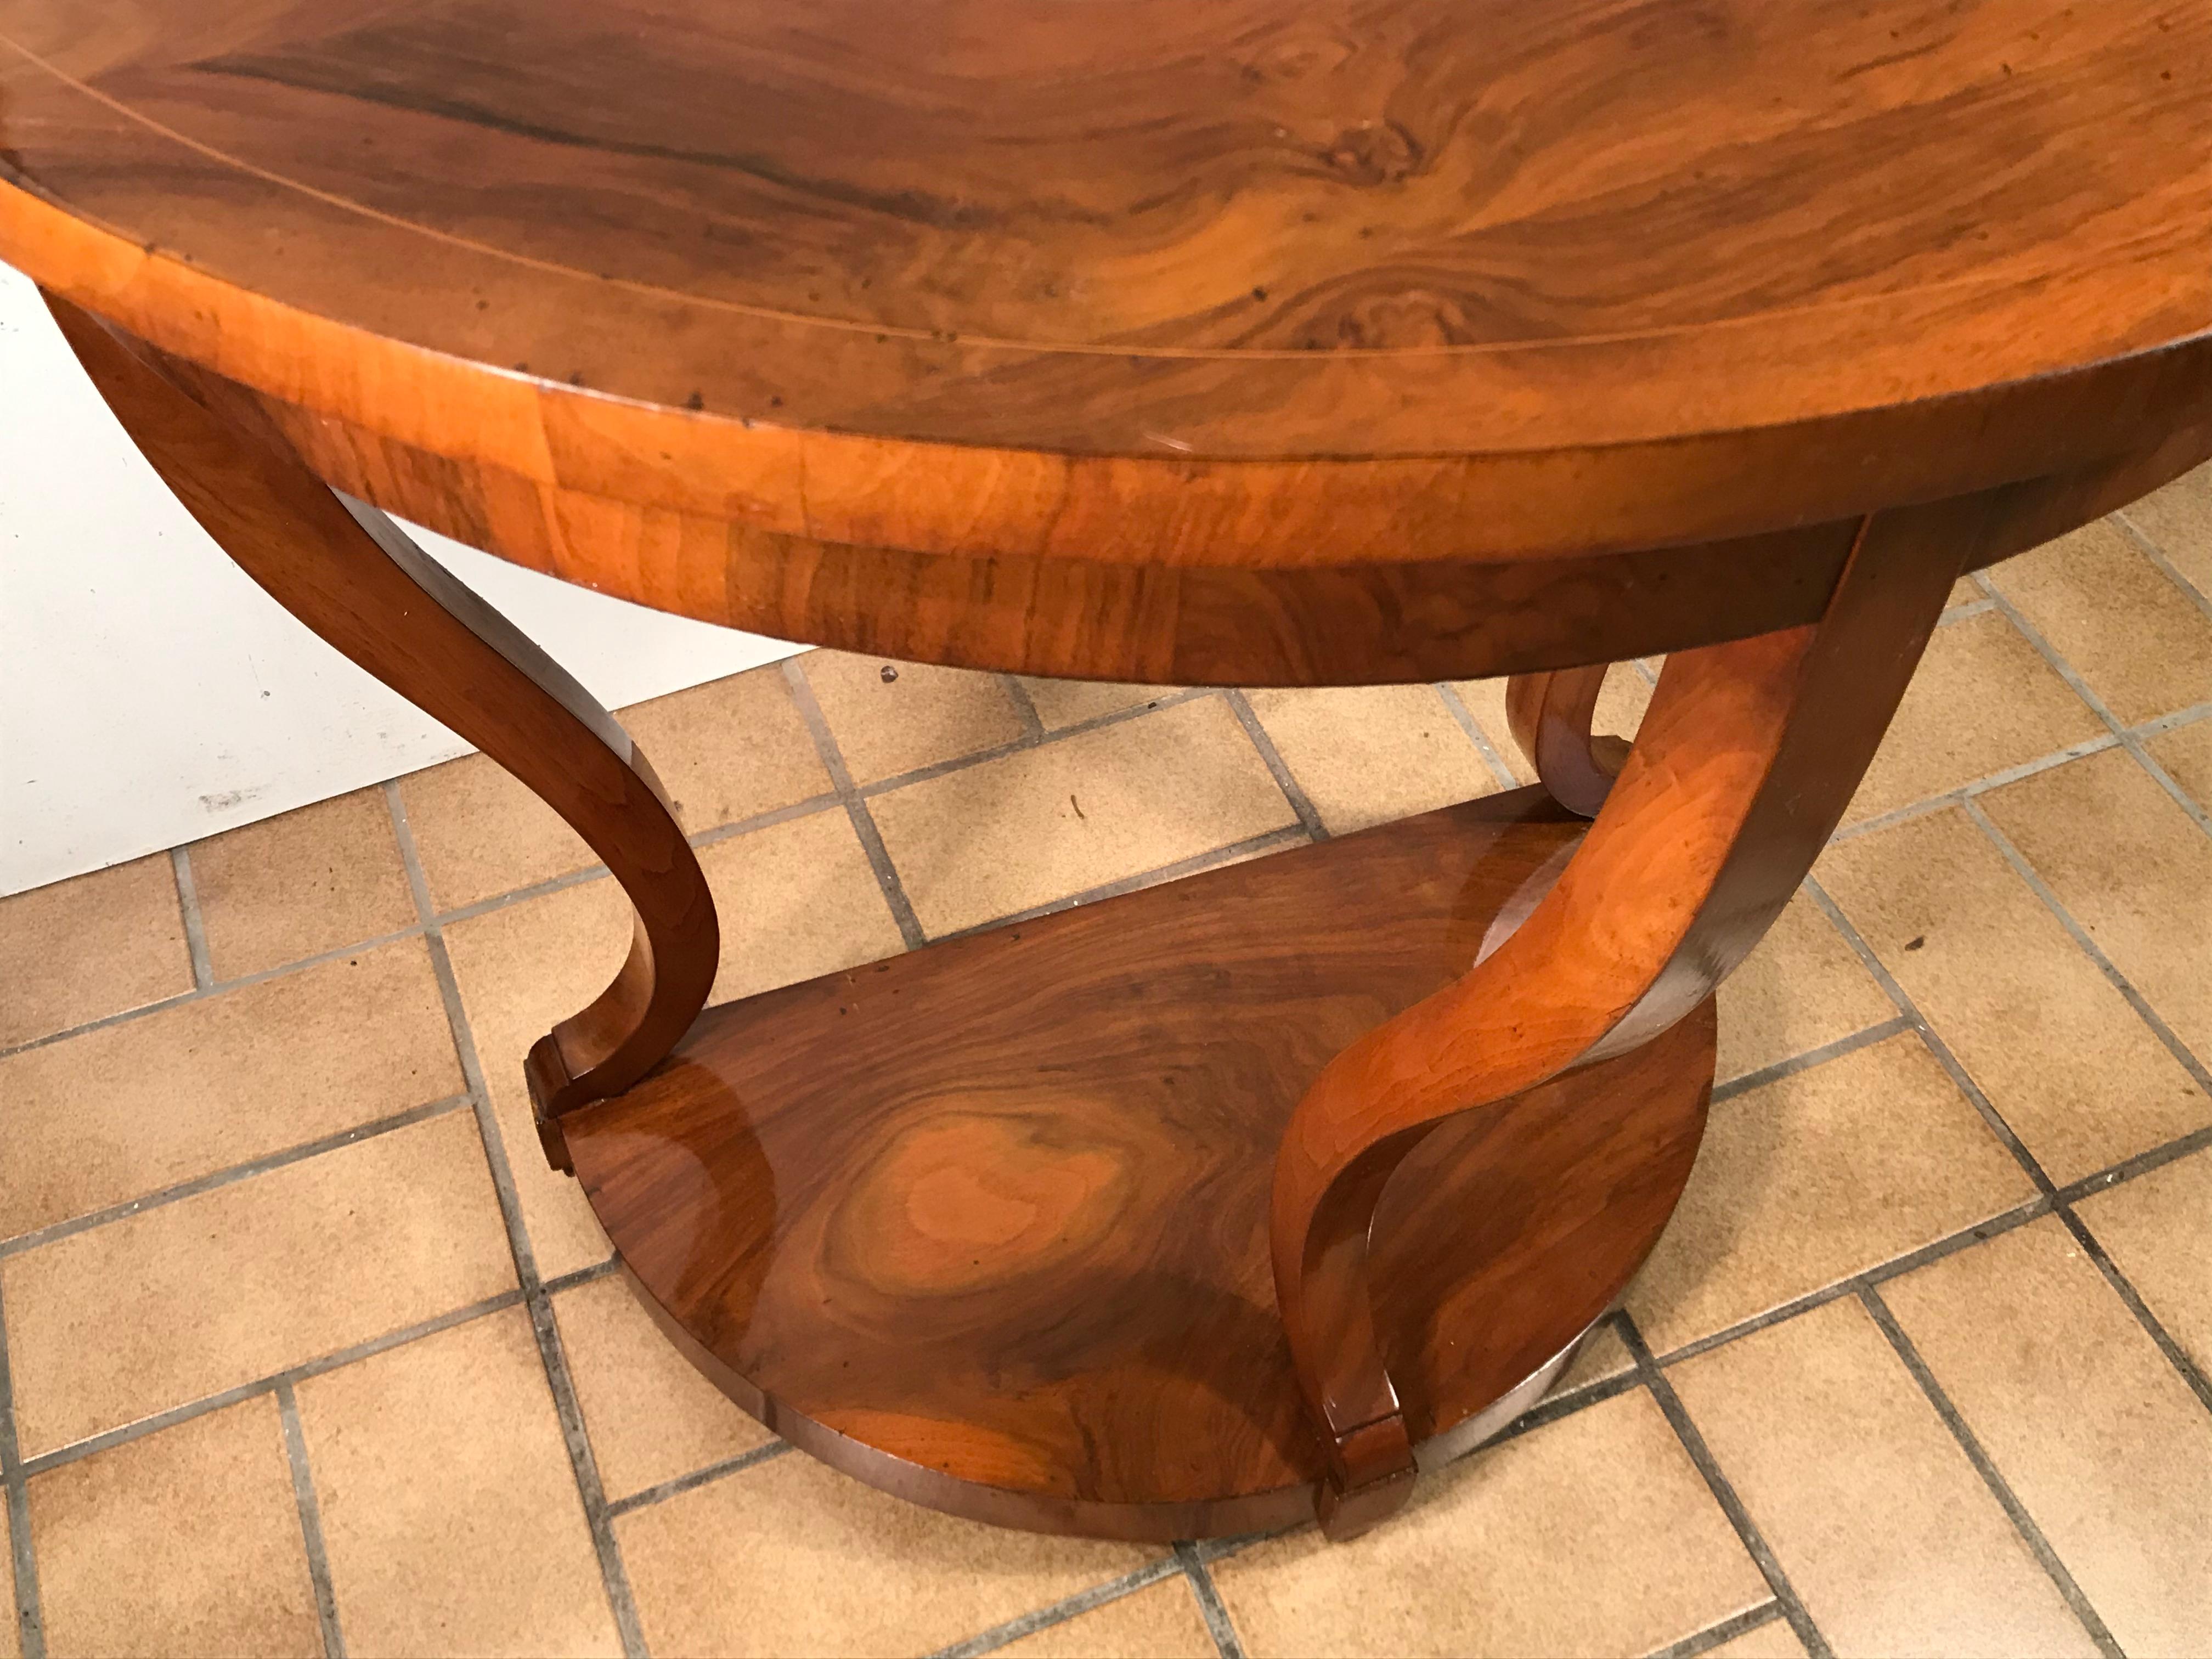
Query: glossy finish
x=986 y=1223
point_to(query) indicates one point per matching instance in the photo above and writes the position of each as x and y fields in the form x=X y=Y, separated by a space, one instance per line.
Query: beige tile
x=1881 y=1525
x=2157 y=1231
x=764 y=1562
x=95 y=945
x=479 y=832
x=1159 y=1622
x=1982 y=700
x=114 y=1114
x=1038 y=825
x=922 y=715
x=2133 y=868
x=730 y=749
x=1485 y=702
x=2098 y=1437
x=2050 y=1041
x=1773 y=1640
x=2141 y=643
x=650 y=1415
x=1602 y=1354
x=318 y=879
x=1368 y=754
x=2186 y=755
x=184 y=1541
x=11 y=1645
x=1964 y=591
x=1592 y=1534
x=796 y=899
x=1814 y=1177
x=450 y=1510
x=2179 y=519
x=1801 y=987
x=112 y=1324
x=1071 y=702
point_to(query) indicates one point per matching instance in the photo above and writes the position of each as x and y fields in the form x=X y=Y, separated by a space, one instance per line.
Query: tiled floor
x=305 y=1348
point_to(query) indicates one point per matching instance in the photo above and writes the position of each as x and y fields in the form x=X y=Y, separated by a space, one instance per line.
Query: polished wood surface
x=347 y=572
x=1743 y=767
x=987 y=1223
x=1550 y=715
x=1045 y=293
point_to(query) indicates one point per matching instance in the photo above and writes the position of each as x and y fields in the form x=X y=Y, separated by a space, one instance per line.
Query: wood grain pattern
x=987 y=1224
x=1742 y=767
x=1550 y=714
x=344 y=570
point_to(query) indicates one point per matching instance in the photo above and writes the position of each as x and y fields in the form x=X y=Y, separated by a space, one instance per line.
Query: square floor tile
x=1773 y=1640
x=300 y=883
x=791 y=1556
x=91 y=946
x=894 y=717
x=2045 y=1035
x=1160 y=1622
x=2099 y=1438
x=1880 y=1523
x=2133 y=868
x=114 y=1114
x=184 y=1541
x=2141 y=643
x=2186 y=753
x=1484 y=702
x=1803 y=988
x=1593 y=1534
x=2157 y=1228
x=450 y=1509
x=1982 y=701
x=1367 y=754
x=479 y=832
x=11 y=1645
x=651 y=1414
x=1041 y=824
x=1070 y=702
x=2178 y=521
x=730 y=749
x=116 y=1323
x=1818 y=1176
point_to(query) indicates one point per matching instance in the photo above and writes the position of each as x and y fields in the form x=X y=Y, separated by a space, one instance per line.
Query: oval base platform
x=985 y=1226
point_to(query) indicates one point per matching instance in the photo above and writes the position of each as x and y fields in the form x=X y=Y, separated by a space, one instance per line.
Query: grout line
x=1935 y=1045
x=1881 y=1031
x=1964 y=609
x=30 y=1626
x=310 y=1523
x=698 y=1478
x=1965 y=792
x=1271 y=841
x=613 y=1575
x=1211 y=1607
x=225 y=1178
x=2153 y=1326
x=1210 y=1550
x=1723 y=1491
x=1704 y=1641
x=2142 y=1164
x=188 y=904
x=570 y=1281
x=1024 y=706
x=2079 y=935
x=1278 y=768
x=1023 y=744
x=1555 y=1408
x=2148 y=545
x=168 y=1418
x=736 y=827
x=1060 y=1612
x=856 y=809
x=2066 y=672
x=2174 y=722
x=1473 y=728
x=1999 y=1488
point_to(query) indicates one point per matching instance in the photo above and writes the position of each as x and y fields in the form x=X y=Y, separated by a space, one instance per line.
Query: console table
x=1204 y=342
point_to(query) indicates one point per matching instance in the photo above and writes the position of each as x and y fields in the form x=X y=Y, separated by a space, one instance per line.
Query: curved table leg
x=1550 y=714
x=350 y=574
x=1745 y=762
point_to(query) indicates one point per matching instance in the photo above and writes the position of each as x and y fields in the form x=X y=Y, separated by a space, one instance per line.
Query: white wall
x=150 y=694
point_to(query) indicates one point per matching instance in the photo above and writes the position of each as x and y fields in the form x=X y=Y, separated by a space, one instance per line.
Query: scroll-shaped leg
x=1747 y=758
x=1550 y=714
x=346 y=571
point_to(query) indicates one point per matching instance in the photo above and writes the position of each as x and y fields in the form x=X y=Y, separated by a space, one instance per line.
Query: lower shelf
x=986 y=1225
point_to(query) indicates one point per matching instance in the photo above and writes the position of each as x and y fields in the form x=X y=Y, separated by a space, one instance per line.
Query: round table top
x=1274 y=231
